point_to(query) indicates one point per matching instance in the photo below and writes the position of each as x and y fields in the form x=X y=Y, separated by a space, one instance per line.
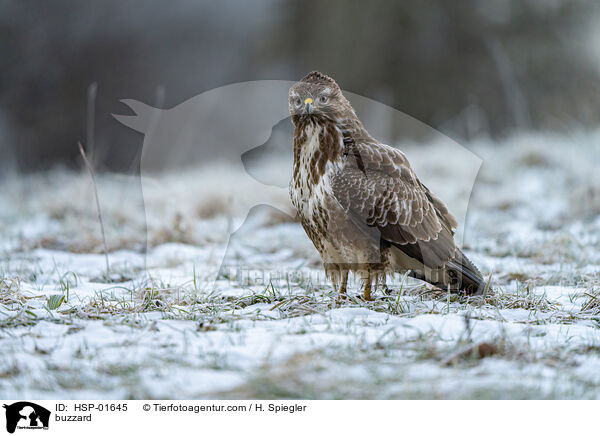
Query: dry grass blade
x=592 y=304
x=471 y=352
x=92 y=175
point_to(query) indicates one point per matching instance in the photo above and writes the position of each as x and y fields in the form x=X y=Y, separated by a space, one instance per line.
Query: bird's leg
x=367 y=290
x=344 y=283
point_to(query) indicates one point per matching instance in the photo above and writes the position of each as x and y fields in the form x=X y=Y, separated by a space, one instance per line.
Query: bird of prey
x=361 y=203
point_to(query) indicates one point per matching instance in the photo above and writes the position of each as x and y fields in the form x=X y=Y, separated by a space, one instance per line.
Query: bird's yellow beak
x=307 y=105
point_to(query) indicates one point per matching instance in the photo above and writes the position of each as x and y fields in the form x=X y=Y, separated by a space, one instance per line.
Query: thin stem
x=91 y=171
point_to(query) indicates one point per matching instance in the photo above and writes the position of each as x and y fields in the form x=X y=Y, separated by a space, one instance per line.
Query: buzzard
x=361 y=203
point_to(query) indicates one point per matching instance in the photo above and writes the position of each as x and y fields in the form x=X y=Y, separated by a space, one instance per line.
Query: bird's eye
x=323 y=99
x=297 y=102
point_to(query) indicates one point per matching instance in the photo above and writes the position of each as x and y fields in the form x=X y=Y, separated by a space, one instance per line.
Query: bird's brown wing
x=377 y=187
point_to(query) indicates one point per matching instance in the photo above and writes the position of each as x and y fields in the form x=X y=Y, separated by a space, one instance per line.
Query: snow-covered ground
x=270 y=325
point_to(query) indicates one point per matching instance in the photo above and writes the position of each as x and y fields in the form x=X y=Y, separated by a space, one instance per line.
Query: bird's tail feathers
x=461 y=274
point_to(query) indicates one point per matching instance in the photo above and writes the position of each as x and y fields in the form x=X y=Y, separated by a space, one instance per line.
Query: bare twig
x=91 y=170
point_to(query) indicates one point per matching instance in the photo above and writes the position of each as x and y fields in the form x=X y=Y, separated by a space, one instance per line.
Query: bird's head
x=317 y=96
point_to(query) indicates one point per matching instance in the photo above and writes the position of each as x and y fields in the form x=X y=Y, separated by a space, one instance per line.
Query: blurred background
x=469 y=68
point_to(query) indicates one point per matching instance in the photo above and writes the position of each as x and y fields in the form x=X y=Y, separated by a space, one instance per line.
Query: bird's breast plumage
x=310 y=187
x=317 y=158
